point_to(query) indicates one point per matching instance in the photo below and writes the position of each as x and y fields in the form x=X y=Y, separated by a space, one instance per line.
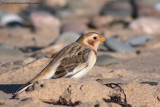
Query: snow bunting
x=73 y=61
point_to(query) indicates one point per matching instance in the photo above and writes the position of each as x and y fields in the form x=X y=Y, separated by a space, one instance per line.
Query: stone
x=157 y=6
x=118 y=8
x=77 y=5
x=117 y=46
x=100 y=21
x=137 y=41
x=7 y=19
x=38 y=20
x=111 y=80
x=66 y=38
x=104 y=60
x=56 y=3
x=9 y=51
x=146 y=25
x=82 y=8
x=13 y=8
x=73 y=27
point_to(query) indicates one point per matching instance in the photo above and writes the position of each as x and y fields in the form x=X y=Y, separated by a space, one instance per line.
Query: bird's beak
x=102 y=39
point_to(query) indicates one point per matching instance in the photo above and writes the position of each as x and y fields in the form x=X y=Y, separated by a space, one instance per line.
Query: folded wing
x=70 y=66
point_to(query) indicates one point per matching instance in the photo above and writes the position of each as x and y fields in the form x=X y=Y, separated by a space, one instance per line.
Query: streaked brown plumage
x=73 y=61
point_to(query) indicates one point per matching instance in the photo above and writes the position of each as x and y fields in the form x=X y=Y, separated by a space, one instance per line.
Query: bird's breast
x=92 y=60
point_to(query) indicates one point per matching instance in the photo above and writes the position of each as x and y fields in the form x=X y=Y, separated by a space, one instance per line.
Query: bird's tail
x=22 y=88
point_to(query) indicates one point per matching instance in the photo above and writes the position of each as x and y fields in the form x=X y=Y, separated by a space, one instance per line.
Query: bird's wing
x=73 y=64
x=50 y=69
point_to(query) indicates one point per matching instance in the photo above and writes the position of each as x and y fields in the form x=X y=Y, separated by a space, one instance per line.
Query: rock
x=73 y=27
x=9 y=51
x=104 y=60
x=117 y=46
x=66 y=38
x=118 y=8
x=77 y=5
x=2 y=13
x=147 y=25
x=149 y=83
x=38 y=20
x=14 y=8
x=7 y=19
x=81 y=8
x=157 y=6
x=56 y=3
x=99 y=21
x=111 y=80
x=137 y=41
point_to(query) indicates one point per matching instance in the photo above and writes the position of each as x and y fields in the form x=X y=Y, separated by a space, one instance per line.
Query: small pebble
x=150 y=83
x=108 y=81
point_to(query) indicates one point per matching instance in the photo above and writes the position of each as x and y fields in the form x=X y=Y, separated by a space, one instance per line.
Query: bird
x=73 y=61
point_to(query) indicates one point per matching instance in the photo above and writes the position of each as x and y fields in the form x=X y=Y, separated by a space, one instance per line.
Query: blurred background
x=38 y=28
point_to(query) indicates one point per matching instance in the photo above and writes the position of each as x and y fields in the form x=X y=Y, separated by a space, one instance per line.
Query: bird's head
x=91 y=40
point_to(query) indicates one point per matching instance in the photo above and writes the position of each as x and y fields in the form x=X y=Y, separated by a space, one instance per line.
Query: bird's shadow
x=9 y=88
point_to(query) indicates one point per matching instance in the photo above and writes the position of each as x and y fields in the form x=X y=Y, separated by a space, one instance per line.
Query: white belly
x=84 y=71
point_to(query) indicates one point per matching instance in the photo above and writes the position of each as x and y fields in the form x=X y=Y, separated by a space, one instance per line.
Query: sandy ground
x=135 y=83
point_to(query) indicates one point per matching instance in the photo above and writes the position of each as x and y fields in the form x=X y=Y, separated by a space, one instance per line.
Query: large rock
x=104 y=60
x=137 y=41
x=100 y=21
x=42 y=19
x=117 y=8
x=81 y=8
x=10 y=19
x=66 y=38
x=56 y=3
x=9 y=51
x=146 y=25
x=117 y=46
x=73 y=27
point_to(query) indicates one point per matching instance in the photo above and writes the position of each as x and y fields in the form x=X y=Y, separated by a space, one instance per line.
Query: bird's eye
x=94 y=38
